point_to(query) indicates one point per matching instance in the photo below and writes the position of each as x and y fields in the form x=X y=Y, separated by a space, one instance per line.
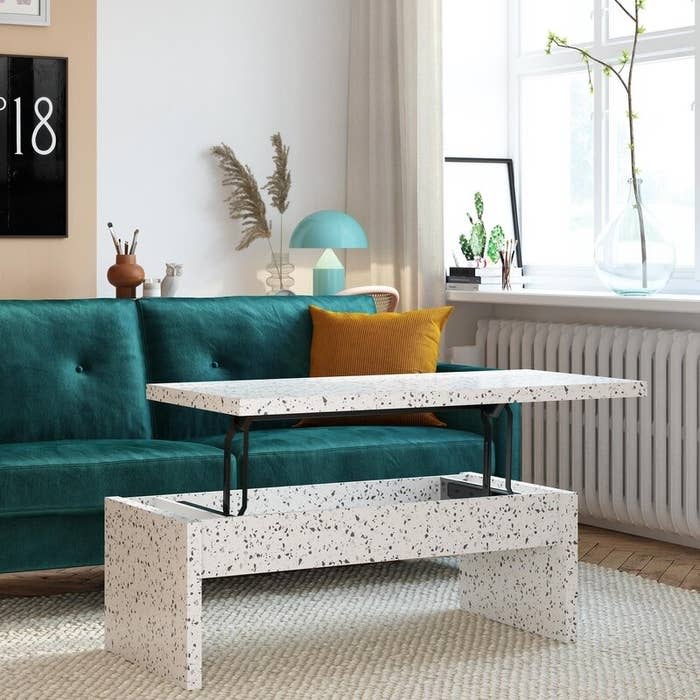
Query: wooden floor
x=660 y=561
x=667 y=563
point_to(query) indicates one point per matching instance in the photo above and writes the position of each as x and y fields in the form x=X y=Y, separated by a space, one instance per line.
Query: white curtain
x=394 y=167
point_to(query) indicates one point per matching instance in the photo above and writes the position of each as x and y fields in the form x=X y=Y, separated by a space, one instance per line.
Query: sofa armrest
x=470 y=419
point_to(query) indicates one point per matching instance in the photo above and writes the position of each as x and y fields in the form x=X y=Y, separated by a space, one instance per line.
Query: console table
x=517 y=541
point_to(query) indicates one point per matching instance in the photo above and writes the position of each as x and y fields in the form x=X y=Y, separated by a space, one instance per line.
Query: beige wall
x=63 y=267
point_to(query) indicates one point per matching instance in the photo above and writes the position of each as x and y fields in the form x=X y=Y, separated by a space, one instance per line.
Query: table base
x=518 y=554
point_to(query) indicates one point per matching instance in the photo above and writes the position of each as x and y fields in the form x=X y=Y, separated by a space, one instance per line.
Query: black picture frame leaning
x=33 y=147
x=507 y=163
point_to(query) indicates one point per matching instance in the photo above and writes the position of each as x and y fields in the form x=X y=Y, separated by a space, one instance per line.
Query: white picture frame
x=35 y=13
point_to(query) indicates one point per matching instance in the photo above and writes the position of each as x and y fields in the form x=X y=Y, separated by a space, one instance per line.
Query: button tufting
x=215 y=364
x=79 y=369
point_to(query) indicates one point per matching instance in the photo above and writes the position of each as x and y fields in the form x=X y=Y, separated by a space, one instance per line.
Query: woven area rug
x=374 y=631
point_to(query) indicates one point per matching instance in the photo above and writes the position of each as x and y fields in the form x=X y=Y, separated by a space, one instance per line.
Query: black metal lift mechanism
x=489 y=413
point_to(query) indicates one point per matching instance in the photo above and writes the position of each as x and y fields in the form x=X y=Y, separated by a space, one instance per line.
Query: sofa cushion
x=345 y=344
x=190 y=340
x=71 y=370
x=76 y=475
x=353 y=453
x=351 y=344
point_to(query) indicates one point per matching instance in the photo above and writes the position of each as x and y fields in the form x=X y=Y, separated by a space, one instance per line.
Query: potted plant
x=631 y=255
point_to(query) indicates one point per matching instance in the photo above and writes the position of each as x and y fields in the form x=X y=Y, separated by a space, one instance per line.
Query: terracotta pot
x=126 y=275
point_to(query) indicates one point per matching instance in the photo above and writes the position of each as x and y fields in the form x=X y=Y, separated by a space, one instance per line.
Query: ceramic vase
x=126 y=275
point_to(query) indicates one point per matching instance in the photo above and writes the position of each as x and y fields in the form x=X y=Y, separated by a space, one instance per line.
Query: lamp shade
x=328 y=229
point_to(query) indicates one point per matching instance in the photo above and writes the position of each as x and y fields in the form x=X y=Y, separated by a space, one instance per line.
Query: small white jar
x=151 y=287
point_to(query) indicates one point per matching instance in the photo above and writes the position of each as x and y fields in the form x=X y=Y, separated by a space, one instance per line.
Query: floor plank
x=52 y=582
x=636 y=563
x=621 y=540
x=616 y=559
x=585 y=547
x=656 y=568
x=597 y=554
x=675 y=574
x=692 y=580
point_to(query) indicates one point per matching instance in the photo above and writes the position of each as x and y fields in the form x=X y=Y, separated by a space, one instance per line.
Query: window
x=570 y=147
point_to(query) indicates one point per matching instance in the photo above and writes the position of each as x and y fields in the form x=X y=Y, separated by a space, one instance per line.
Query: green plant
x=480 y=244
x=626 y=61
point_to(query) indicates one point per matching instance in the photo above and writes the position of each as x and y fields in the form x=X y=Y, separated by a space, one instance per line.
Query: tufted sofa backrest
x=71 y=370
x=224 y=338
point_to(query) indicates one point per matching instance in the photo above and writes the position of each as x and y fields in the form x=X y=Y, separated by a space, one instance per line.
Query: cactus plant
x=481 y=244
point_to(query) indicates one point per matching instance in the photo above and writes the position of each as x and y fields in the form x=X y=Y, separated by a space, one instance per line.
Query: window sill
x=664 y=303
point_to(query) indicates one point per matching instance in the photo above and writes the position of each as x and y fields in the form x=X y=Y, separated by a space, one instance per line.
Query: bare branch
x=583 y=52
x=625 y=10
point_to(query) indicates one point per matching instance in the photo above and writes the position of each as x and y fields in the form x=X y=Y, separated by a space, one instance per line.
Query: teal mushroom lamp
x=328 y=229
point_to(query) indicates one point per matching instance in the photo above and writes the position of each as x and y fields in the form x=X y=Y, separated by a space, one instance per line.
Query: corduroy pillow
x=350 y=344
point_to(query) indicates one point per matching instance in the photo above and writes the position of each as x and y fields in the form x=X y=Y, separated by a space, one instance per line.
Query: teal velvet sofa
x=75 y=426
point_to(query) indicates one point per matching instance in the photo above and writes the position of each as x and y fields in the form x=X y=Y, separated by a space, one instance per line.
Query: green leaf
x=556 y=40
x=496 y=241
x=465 y=247
x=479 y=205
x=641 y=29
x=476 y=240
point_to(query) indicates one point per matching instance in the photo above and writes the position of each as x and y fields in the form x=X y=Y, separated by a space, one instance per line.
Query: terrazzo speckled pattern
x=519 y=566
x=277 y=397
x=153 y=604
x=390 y=631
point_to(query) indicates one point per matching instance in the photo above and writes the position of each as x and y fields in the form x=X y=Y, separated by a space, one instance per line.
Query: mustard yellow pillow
x=349 y=344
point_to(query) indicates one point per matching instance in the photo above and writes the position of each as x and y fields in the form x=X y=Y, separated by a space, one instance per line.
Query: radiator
x=633 y=462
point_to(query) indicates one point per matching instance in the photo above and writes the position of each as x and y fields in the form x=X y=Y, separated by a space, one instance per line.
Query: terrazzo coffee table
x=517 y=541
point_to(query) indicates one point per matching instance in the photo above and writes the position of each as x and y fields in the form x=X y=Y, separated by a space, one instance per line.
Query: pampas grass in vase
x=246 y=204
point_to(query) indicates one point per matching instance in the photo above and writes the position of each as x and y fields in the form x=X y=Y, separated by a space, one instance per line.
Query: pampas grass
x=244 y=202
x=279 y=183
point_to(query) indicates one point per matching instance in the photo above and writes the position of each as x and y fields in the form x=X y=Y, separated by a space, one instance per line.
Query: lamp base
x=329 y=274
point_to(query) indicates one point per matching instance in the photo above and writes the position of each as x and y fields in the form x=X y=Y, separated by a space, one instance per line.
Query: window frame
x=652 y=46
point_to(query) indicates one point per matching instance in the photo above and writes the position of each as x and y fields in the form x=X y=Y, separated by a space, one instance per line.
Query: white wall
x=475 y=78
x=174 y=78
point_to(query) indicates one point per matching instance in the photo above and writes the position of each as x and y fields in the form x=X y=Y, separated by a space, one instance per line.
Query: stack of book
x=481 y=279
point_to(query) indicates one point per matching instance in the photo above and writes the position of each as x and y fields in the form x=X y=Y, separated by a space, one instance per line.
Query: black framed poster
x=494 y=179
x=33 y=146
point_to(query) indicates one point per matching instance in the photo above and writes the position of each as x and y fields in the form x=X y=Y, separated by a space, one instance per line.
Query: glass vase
x=627 y=262
x=280 y=280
